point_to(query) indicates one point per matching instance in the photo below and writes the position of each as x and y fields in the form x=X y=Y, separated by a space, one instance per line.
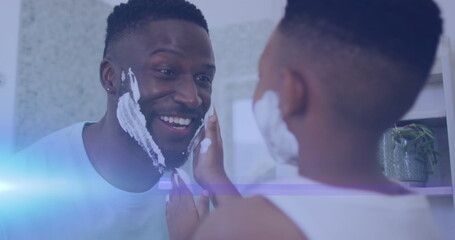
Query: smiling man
x=99 y=180
x=170 y=56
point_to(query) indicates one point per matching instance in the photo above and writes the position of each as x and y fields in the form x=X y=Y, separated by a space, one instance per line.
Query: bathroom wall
x=60 y=47
x=238 y=48
x=448 y=10
x=9 y=45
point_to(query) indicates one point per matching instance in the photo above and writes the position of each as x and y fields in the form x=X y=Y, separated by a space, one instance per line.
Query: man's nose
x=187 y=93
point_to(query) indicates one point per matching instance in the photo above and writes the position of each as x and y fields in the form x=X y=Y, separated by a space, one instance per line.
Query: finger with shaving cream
x=205 y=145
x=199 y=133
x=133 y=121
x=209 y=113
x=207 y=142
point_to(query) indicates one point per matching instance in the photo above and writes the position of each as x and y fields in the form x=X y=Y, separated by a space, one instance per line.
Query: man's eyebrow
x=176 y=53
x=166 y=50
x=210 y=67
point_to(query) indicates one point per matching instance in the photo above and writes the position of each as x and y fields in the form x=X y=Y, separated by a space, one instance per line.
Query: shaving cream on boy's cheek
x=281 y=143
x=133 y=121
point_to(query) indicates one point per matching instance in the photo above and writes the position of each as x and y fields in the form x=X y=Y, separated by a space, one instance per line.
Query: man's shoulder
x=58 y=145
x=52 y=141
x=249 y=218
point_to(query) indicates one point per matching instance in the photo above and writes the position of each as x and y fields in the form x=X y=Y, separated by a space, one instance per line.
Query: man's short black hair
x=131 y=16
x=373 y=55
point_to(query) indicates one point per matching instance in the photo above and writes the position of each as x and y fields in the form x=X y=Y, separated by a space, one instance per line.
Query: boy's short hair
x=374 y=55
x=131 y=16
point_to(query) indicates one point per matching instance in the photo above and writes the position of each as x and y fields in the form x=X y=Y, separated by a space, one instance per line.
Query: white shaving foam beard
x=281 y=143
x=133 y=122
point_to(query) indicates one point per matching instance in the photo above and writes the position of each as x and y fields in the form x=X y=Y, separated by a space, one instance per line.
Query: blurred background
x=50 y=52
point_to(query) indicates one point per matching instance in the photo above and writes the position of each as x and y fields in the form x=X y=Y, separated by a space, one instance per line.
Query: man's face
x=174 y=65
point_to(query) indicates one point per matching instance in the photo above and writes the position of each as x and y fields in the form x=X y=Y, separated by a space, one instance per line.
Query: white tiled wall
x=61 y=44
x=9 y=46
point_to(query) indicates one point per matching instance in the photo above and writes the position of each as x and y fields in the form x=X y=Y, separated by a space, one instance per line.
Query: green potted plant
x=412 y=155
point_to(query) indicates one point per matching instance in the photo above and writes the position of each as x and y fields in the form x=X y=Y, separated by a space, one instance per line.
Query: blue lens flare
x=23 y=187
x=5 y=187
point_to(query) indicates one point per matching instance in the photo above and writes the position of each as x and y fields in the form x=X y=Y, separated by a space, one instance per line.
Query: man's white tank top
x=322 y=211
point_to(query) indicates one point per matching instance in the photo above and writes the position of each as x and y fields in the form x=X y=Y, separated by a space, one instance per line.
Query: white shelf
x=418 y=115
x=435 y=106
x=436 y=72
x=434 y=191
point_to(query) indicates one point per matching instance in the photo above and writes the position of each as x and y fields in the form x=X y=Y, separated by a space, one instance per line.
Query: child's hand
x=182 y=215
x=208 y=165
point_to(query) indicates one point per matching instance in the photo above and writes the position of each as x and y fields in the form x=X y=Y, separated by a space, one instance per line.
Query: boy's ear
x=293 y=93
x=107 y=76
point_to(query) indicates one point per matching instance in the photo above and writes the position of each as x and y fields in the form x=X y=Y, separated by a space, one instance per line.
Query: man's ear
x=293 y=93
x=107 y=76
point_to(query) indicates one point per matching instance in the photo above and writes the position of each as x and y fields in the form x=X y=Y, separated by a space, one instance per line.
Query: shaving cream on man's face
x=133 y=121
x=281 y=143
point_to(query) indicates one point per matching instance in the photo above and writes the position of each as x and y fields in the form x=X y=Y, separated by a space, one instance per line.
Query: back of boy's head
x=133 y=15
x=372 y=56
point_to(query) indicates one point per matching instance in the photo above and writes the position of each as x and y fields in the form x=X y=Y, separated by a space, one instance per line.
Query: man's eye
x=166 y=72
x=204 y=79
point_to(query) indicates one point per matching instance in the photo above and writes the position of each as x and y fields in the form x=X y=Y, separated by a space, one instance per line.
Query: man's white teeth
x=176 y=120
